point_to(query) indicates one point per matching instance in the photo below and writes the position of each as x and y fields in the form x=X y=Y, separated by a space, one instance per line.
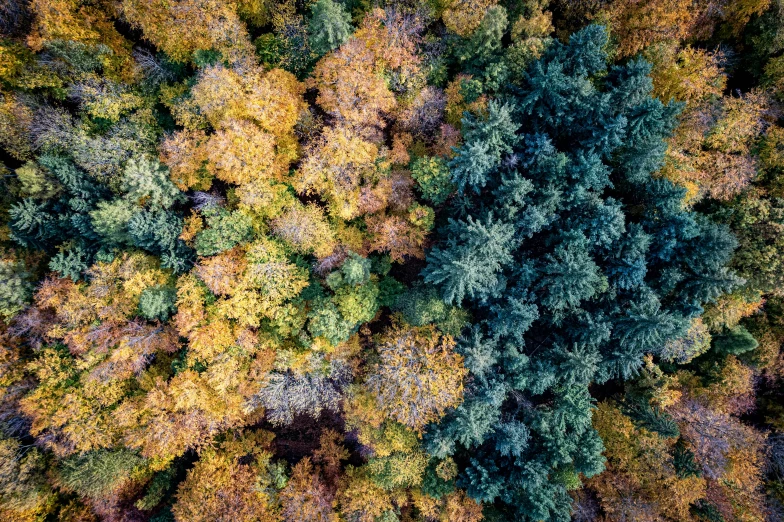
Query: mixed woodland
x=391 y=260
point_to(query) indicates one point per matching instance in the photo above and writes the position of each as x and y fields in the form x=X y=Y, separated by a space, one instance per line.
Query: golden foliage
x=418 y=376
x=640 y=482
x=463 y=16
x=181 y=28
x=273 y=99
x=185 y=153
x=306 y=229
x=229 y=484
x=240 y=152
x=396 y=236
x=636 y=24
x=685 y=74
x=336 y=167
x=350 y=88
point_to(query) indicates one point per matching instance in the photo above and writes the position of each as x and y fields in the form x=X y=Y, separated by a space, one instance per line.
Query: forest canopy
x=391 y=261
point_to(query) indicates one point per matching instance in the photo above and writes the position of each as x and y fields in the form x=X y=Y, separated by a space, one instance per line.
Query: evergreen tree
x=573 y=262
x=99 y=473
x=15 y=287
x=329 y=27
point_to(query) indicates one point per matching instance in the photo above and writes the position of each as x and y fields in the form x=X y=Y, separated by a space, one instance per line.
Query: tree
x=433 y=178
x=157 y=302
x=306 y=229
x=271 y=99
x=240 y=152
x=463 y=16
x=418 y=377
x=232 y=482
x=736 y=341
x=696 y=342
x=637 y=25
x=337 y=167
x=567 y=282
x=226 y=230
x=15 y=287
x=26 y=494
x=397 y=236
x=485 y=43
x=147 y=182
x=286 y=395
x=110 y=219
x=632 y=486
x=471 y=269
x=198 y=25
x=685 y=74
x=98 y=474
x=569 y=276
x=329 y=26
x=350 y=88
x=185 y=155
x=306 y=497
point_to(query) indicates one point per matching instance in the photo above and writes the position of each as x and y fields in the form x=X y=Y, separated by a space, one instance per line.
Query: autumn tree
x=193 y=26
x=232 y=482
x=419 y=376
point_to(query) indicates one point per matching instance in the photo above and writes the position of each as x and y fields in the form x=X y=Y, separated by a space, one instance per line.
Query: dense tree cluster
x=391 y=261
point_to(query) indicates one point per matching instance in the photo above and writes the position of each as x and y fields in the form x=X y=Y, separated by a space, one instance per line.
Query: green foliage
x=268 y=48
x=165 y=515
x=15 y=287
x=98 y=473
x=329 y=27
x=110 y=219
x=436 y=483
x=79 y=57
x=421 y=306
x=357 y=304
x=159 y=486
x=706 y=512
x=157 y=302
x=355 y=270
x=35 y=183
x=574 y=260
x=473 y=268
x=651 y=418
x=486 y=142
x=226 y=230
x=562 y=249
x=570 y=276
x=485 y=43
x=147 y=182
x=158 y=231
x=71 y=263
x=683 y=461
x=389 y=290
x=433 y=177
x=325 y=320
x=734 y=342
x=399 y=470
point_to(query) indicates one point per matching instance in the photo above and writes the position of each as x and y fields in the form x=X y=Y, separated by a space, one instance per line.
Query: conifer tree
x=573 y=262
x=329 y=26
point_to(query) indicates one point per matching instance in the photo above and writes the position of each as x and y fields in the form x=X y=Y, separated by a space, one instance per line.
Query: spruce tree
x=573 y=262
x=329 y=27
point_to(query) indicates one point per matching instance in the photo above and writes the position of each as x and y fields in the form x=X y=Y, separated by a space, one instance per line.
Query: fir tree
x=329 y=26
